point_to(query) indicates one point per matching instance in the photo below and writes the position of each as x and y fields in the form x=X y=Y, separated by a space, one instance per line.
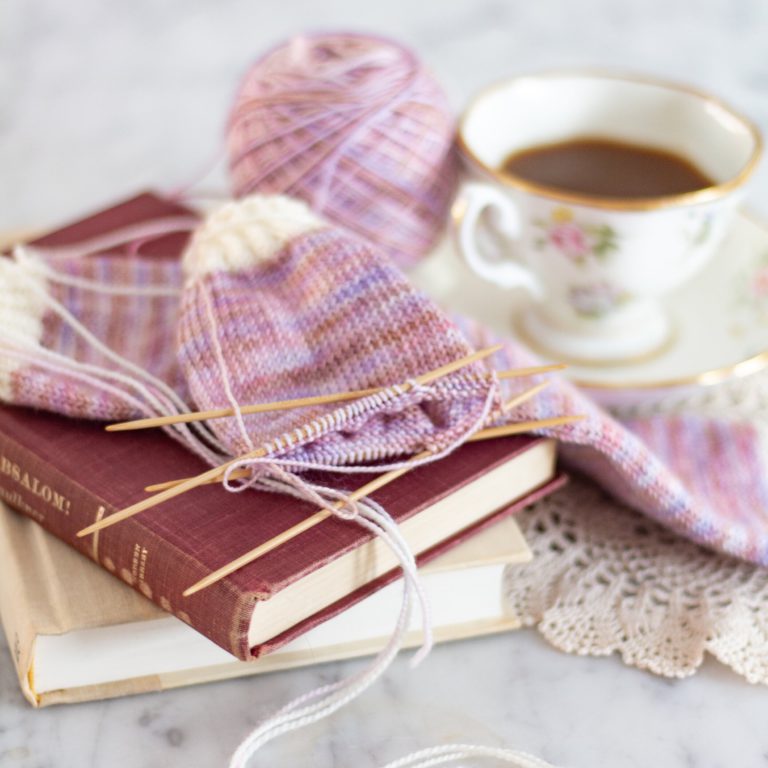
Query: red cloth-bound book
x=66 y=474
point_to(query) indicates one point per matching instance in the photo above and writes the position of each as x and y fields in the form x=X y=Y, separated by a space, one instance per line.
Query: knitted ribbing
x=279 y=305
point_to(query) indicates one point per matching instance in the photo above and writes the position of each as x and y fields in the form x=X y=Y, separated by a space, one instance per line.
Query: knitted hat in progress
x=279 y=305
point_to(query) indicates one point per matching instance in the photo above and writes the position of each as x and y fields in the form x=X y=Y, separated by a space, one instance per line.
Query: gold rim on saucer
x=705 y=194
x=738 y=370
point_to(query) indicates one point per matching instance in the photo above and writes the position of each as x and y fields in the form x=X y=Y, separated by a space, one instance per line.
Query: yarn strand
x=146 y=230
x=449 y=753
x=22 y=255
x=324 y=701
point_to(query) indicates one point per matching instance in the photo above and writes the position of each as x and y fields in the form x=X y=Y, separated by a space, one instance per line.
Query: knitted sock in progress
x=278 y=305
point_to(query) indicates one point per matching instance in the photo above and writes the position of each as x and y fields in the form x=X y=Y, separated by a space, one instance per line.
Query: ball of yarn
x=357 y=128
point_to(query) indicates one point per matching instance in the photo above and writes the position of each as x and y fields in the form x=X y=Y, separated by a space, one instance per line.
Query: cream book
x=78 y=634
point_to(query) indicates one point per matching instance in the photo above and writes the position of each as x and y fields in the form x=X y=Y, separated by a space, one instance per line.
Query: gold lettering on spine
x=33 y=485
x=139 y=562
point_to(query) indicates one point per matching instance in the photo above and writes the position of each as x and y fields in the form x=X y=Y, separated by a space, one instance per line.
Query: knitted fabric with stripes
x=704 y=477
x=64 y=318
x=278 y=305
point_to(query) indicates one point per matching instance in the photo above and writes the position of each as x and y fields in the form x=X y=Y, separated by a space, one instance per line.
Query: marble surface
x=509 y=690
x=99 y=99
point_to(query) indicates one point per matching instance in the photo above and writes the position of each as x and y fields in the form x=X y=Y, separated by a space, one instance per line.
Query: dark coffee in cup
x=600 y=167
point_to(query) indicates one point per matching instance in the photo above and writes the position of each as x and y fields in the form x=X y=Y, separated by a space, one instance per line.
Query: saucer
x=719 y=319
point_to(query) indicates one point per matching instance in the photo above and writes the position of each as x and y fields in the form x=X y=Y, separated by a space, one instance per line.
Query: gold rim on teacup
x=705 y=194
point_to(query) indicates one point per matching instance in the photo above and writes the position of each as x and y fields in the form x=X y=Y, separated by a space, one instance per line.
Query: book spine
x=131 y=551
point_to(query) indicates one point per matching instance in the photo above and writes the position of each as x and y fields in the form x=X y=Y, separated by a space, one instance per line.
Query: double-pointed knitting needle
x=193 y=482
x=365 y=490
x=239 y=474
x=301 y=402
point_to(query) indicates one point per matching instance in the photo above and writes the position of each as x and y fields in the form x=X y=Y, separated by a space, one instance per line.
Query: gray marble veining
x=508 y=690
x=99 y=99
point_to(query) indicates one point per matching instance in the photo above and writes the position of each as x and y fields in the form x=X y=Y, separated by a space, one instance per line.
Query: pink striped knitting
x=704 y=478
x=46 y=362
x=280 y=305
x=354 y=126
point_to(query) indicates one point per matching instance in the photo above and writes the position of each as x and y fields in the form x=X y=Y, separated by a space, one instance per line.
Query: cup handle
x=473 y=200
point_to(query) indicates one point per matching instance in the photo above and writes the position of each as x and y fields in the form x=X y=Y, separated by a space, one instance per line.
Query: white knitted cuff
x=22 y=307
x=244 y=232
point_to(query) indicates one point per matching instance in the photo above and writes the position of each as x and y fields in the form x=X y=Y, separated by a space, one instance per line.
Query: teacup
x=596 y=266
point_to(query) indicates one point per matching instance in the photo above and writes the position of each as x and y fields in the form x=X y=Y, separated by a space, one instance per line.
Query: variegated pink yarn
x=354 y=126
x=278 y=304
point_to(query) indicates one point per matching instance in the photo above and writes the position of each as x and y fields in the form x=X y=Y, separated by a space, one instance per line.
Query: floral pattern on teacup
x=596 y=300
x=576 y=241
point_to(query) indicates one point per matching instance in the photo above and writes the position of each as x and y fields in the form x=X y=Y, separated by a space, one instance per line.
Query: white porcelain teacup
x=596 y=266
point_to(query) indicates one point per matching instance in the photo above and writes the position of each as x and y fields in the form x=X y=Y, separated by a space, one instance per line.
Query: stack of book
x=111 y=618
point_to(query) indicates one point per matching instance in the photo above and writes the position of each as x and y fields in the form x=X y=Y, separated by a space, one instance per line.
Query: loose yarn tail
x=327 y=699
x=324 y=701
x=361 y=512
x=140 y=232
x=449 y=753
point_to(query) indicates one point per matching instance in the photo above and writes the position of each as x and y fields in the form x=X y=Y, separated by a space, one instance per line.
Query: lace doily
x=605 y=579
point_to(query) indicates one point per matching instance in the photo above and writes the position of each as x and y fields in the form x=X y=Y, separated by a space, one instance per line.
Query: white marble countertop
x=508 y=690
x=100 y=99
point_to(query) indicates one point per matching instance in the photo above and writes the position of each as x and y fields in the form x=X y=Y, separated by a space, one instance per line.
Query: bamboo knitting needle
x=364 y=490
x=239 y=474
x=483 y=434
x=304 y=525
x=282 y=405
x=193 y=482
x=523 y=396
